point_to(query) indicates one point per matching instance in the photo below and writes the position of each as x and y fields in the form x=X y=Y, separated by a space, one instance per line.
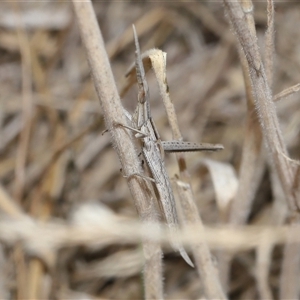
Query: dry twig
x=123 y=143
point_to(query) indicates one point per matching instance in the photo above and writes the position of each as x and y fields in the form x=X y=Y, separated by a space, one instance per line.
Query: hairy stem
x=121 y=137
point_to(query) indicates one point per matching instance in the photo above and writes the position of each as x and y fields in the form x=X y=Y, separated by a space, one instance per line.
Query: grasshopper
x=153 y=151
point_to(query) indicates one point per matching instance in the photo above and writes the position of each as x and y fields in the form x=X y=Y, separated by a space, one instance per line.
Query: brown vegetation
x=70 y=227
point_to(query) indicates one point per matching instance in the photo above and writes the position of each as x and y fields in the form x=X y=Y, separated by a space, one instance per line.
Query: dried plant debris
x=220 y=76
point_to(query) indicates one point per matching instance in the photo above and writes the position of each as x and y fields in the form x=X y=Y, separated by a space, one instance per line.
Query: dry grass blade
x=207 y=271
x=264 y=252
x=113 y=112
x=205 y=267
x=121 y=264
x=38 y=238
x=8 y=205
x=287 y=92
x=11 y=130
x=27 y=106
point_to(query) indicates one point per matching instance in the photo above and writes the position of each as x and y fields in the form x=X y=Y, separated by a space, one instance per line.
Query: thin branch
x=121 y=137
x=271 y=130
x=263 y=100
x=253 y=159
x=269 y=43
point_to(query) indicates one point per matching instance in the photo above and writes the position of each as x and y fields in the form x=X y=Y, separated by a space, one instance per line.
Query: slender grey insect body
x=153 y=150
